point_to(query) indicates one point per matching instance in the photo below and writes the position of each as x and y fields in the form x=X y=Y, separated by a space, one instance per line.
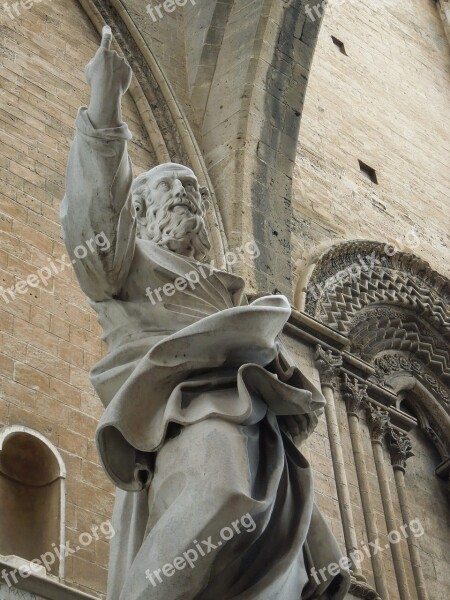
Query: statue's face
x=178 y=190
x=170 y=208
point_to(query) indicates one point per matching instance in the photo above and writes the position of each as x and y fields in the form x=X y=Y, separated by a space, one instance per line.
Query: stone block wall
x=384 y=102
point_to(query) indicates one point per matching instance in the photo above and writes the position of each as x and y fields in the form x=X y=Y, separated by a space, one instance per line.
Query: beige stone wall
x=166 y=39
x=49 y=337
x=385 y=103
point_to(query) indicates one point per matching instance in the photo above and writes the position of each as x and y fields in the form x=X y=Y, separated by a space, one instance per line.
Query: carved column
x=400 y=448
x=378 y=421
x=355 y=396
x=329 y=366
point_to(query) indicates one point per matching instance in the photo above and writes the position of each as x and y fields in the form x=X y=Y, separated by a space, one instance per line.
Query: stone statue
x=214 y=500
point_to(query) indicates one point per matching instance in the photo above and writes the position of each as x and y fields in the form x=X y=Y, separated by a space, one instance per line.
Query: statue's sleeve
x=97 y=215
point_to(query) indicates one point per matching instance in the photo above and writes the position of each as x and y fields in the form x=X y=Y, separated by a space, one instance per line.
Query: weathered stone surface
x=384 y=103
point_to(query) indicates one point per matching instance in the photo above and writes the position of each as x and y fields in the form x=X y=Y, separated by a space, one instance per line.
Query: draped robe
x=197 y=397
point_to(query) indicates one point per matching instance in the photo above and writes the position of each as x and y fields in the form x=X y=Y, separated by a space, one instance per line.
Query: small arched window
x=32 y=496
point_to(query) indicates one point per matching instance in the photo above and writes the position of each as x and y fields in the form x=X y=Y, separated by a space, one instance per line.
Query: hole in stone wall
x=368 y=171
x=339 y=45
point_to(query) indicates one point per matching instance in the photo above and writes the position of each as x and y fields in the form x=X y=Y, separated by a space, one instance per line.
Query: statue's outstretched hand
x=109 y=76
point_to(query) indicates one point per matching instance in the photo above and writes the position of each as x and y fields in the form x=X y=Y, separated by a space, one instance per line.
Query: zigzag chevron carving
x=357 y=274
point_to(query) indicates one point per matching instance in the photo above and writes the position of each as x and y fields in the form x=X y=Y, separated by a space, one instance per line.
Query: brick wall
x=49 y=336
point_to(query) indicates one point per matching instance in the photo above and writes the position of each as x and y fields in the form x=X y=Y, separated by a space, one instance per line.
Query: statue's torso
x=154 y=299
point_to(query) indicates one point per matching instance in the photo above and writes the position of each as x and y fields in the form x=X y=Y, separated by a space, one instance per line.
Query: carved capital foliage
x=329 y=365
x=400 y=448
x=355 y=394
x=378 y=421
x=363 y=590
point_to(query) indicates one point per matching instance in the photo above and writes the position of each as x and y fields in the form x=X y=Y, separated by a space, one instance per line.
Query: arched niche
x=32 y=494
x=421 y=395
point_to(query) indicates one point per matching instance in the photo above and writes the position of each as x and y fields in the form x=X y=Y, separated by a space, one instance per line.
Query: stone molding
x=389 y=363
x=43 y=588
x=375 y=330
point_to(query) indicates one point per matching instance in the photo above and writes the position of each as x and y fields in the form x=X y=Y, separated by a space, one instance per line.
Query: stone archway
x=358 y=274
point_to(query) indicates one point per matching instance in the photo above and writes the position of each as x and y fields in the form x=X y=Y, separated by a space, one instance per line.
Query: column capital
x=329 y=365
x=378 y=421
x=355 y=394
x=400 y=448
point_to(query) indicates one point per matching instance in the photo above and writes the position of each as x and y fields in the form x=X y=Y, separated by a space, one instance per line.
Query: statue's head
x=170 y=208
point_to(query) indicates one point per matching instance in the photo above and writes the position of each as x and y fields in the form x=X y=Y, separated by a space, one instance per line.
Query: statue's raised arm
x=96 y=213
x=109 y=77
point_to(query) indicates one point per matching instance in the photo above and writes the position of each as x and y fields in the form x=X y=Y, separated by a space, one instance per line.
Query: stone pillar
x=378 y=424
x=400 y=448
x=355 y=397
x=329 y=366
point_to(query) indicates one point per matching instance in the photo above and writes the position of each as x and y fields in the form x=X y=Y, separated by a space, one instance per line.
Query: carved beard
x=179 y=230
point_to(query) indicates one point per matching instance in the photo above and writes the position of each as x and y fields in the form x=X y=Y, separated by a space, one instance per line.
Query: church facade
x=320 y=130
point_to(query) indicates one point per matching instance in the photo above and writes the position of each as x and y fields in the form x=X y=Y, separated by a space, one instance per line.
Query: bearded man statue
x=202 y=407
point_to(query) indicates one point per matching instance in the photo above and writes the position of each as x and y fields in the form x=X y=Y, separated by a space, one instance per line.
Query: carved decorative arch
x=394 y=309
x=359 y=274
x=373 y=330
x=404 y=374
